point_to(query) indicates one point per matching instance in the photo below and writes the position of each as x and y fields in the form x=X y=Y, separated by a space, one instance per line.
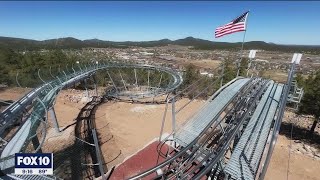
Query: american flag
x=236 y=25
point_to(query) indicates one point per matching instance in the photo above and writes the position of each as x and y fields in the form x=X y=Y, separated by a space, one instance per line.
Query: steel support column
x=249 y=65
x=65 y=75
x=148 y=80
x=98 y=154
x=114 y=85
x=85 y=86
x=36 y=144
x=173 y=116
x=123 y=81
x=135 y=75
x=54 y=119
x=222 y=72
x=95 y=85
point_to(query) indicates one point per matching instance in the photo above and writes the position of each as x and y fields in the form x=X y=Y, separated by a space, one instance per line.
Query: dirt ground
x=205 y=63
x=67 y=106
x=124 y=128
x=300 y=166
x=12 y=93
x=276 y=75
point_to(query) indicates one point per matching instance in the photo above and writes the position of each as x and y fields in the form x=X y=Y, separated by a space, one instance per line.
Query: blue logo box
x=34 y=160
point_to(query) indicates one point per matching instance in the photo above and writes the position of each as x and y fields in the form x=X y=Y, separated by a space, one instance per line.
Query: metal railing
x=278 y=121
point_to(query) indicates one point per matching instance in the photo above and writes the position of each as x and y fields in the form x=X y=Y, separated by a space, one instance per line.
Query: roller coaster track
x=188 y=152
x=231 y=137
x=43 y=98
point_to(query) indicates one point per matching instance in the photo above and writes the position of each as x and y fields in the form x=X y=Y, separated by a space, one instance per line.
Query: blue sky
x=277 y=22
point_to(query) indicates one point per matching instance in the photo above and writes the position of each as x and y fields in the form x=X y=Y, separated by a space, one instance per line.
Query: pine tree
x=310 y=103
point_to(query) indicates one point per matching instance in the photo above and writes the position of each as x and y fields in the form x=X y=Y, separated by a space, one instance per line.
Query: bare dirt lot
x=276 y=75
x=12 y=93
x=300 y=166
x=125 y=128
x=205 y=63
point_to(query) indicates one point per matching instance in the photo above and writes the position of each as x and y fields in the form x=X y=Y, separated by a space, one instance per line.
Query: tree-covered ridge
x=34 y=66
x=73 y=43
x=28 y=64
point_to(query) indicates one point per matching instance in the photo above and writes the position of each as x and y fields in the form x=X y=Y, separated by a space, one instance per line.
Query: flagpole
x=241 y=51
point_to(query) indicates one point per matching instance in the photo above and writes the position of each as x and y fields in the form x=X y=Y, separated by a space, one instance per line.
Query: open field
x=276 y=75
x=205 y=63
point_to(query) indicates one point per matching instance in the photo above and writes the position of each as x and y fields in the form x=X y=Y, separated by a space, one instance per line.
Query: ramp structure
x=246 y=156
x=232 y=136
x=193 y=127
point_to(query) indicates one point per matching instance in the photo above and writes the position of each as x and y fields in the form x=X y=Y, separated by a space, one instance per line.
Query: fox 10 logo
x=33 y=164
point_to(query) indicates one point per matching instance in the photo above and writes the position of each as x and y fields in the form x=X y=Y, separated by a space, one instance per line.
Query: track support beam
x=36 y=144
x=54 y=119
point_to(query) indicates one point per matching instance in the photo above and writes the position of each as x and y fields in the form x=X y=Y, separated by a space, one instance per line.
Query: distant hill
x=73 y=43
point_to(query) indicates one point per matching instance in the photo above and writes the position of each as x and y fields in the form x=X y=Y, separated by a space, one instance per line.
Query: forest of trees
x=28 y=64
x=57 y=61
x=199 y=84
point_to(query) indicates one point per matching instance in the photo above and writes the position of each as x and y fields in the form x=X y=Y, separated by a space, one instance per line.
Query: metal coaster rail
x=43 y=97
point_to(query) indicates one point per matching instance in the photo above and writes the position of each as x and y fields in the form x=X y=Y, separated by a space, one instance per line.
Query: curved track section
x=231 y=137
x=43 y=97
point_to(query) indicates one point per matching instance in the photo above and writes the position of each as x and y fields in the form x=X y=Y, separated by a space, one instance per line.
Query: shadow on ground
x=78 y=161
x=299 y=133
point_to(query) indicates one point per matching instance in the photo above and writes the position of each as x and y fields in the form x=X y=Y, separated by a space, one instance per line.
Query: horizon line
x=156 y=40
